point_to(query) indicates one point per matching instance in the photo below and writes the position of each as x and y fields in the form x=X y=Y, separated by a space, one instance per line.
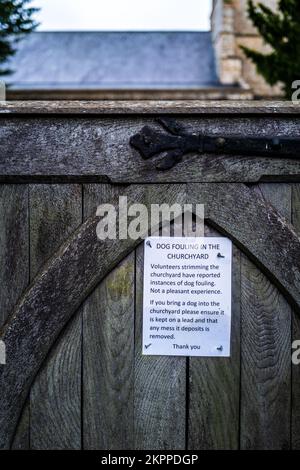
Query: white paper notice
x=187 y=296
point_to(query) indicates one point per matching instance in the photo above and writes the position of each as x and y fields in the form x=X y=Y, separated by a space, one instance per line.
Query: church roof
x=114 y=60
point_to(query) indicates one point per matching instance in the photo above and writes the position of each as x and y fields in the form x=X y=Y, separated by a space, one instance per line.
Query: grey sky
x=56 y=15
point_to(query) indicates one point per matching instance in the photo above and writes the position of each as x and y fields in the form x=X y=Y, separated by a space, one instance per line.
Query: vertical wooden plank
x=14 y=268
x=160 y=400
x=215 y=384
x=265 y=358
x=14 y=246
x=55 y=401
x=296 y=335
x=160 y=388
x=108 y=349
x=21 y=439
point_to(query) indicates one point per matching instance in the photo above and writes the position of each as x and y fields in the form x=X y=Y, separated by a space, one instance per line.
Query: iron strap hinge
x=177 y=142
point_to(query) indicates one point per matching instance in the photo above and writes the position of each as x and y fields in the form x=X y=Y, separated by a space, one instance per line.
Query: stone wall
x=232 y=28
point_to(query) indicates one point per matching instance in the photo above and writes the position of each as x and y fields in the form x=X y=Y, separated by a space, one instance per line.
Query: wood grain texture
x=55 y=398
x=55 y=213
x=97 y=150
x=83 y=261
x=266 y=363
x=14 y=246
x=278 y=196
x=149 y=107
x=14 y=268
x=214 y=384
x=108 y=348
x=246 y=217
x=296 y=335
x=108 y=361
x=21 y=438
x=134 y=94
x=159 y=389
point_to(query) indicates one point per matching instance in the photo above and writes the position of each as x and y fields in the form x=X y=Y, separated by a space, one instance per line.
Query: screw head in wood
x=220 y=142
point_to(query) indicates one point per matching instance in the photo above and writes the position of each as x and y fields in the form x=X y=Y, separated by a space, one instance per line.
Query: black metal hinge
x=177 y=142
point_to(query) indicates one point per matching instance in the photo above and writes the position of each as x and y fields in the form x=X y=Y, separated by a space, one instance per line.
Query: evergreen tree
x=16 y=20
x=280 y=30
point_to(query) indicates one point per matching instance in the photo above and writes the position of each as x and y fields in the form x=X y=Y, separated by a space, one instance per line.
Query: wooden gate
x=71 y=305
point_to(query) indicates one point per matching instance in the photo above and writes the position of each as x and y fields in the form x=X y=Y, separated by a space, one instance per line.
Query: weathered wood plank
x=214 y=384
x=121 y=94
x=21 y=440
x=108 y=361
x=149 y=107
x=296 y=335
x=55 y=213
x=265 y=358
x=14 y=246
x=55 y=399
x=160 y=388
x=83 y=261
x=14 y=268
x=246 y=217
x=108 y=348
x=97 y=149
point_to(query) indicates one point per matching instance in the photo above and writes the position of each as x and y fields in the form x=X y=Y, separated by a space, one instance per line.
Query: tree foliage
x=16 y=20
x=281 y=31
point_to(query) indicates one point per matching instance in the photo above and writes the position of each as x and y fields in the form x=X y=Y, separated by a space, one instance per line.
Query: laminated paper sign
x=187 y=296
